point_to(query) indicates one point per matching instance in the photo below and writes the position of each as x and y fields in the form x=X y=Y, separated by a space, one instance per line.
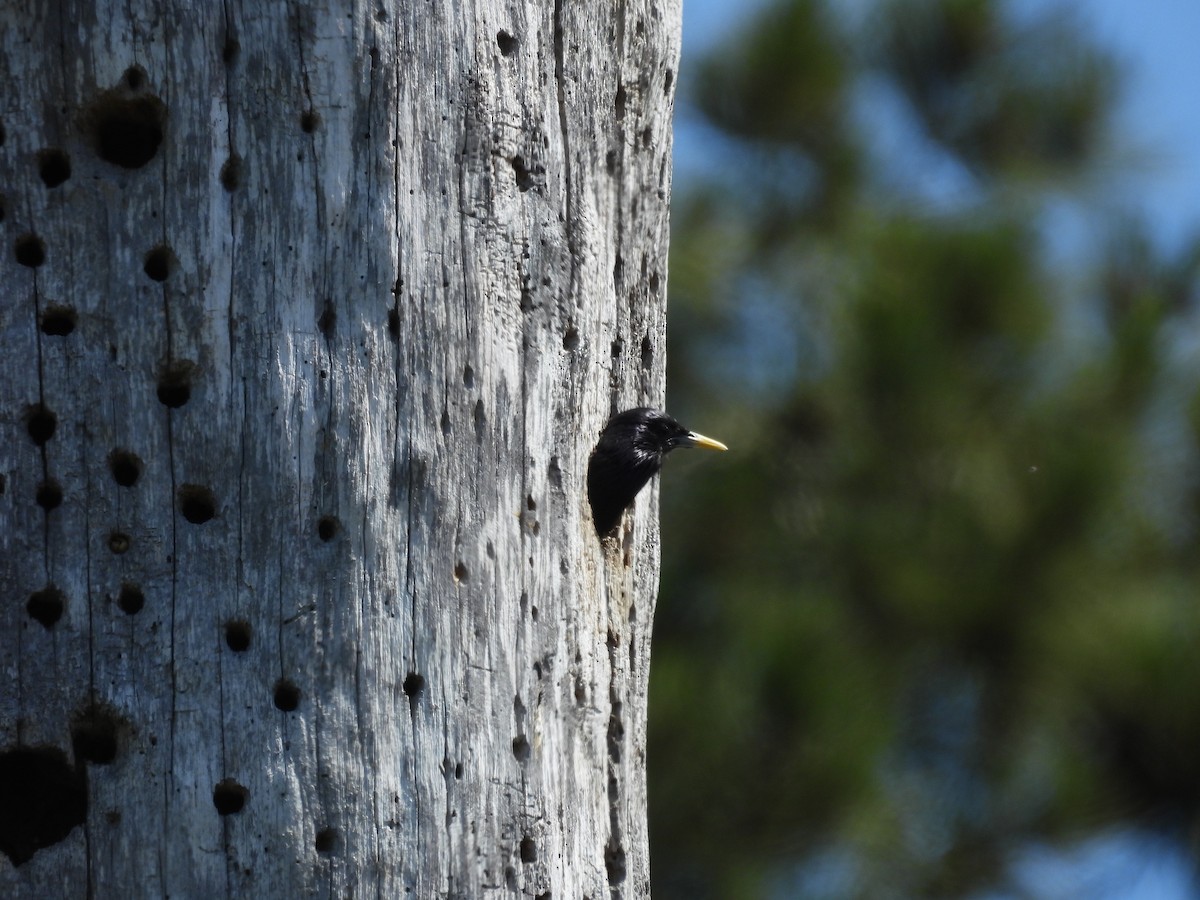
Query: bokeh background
x=932 y=627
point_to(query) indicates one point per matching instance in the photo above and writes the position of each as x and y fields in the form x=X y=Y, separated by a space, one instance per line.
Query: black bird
x=631 y=450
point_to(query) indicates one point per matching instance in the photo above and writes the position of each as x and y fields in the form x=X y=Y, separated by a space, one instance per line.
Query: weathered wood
x=335 y=353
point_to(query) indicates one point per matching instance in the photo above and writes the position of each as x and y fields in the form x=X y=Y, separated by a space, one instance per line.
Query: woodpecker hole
x=158 y=263
x=327 y=321
x=49 y=494
x=229 y=797
x=231 y=173
x=287 y=695
x=230 y=50
x=130 y=600
x=529 y=852
x=46 y=606
x=327 y=840
x=135 y=78
x=460 y=571
x=119 y=542
x=237 y=635
x=522 y=173
x=45 y=798
x=507 y=43
x=309 y=121
x=328 y=528
x=94 y=735
x=54 y=167
x=197 y=503
x=126 y=131
x=571 y=339
x=175 y=383
x=647 y=352
x=41 y=423
x=126 y=467
x=521 y=749
x=414 y=684
x=30 y=250
x=393 y=324
x=58 y=321
x=619 y=102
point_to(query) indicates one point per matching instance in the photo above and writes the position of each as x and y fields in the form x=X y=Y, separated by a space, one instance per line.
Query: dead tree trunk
x=310 y=316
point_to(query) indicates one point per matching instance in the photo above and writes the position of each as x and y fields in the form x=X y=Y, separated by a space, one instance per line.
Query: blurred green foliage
x=940 y=601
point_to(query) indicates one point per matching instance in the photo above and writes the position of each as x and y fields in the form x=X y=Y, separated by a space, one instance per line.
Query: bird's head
x=631 y=450
x=652 y=433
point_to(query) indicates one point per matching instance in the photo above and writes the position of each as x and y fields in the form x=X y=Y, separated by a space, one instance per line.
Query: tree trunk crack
x=563 y=120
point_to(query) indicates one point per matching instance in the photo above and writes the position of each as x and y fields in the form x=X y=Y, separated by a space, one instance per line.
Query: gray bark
x=301 y=596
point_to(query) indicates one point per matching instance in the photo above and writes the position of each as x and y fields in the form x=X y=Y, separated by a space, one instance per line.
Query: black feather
x=630 y=452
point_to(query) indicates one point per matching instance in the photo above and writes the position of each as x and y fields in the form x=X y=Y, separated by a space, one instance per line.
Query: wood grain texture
x=355 y=324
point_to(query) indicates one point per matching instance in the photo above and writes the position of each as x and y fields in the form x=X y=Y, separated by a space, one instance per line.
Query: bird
x=630 y=452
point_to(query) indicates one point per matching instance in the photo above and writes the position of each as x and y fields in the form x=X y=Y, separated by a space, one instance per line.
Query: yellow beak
x=699 y=440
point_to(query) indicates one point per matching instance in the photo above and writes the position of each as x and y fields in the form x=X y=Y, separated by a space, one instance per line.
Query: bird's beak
x=698 y=440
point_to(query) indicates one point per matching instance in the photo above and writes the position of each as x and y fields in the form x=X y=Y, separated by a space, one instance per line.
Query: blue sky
x=1157 y=42
x=1156 y=168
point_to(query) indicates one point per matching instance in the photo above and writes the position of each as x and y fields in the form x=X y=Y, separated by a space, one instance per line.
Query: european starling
x=630 y=451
